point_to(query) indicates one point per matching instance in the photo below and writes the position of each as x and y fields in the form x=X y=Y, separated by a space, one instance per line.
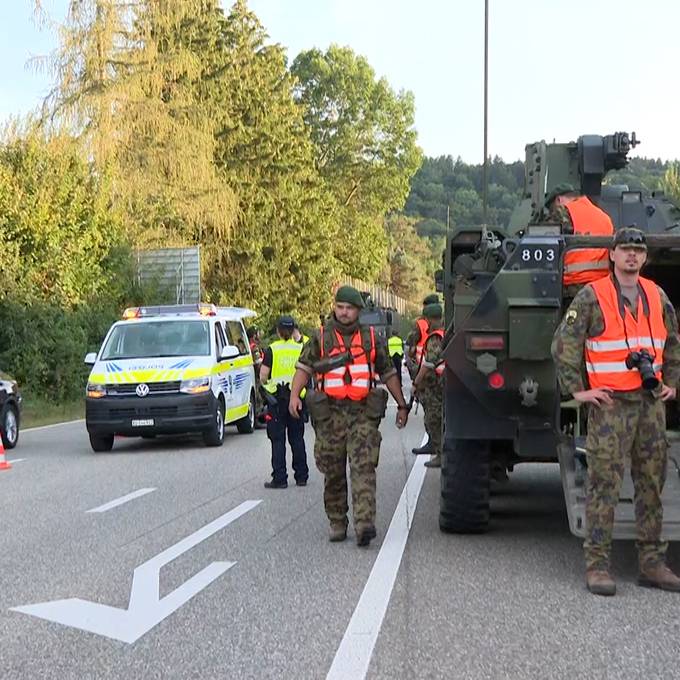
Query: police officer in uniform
x=276 y=374
x=618 y=351
x=429 y=382
x=395 y=348
x=416 y=344
x=346 y=410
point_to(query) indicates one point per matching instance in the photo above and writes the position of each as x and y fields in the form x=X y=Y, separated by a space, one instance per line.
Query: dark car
x=10 y=411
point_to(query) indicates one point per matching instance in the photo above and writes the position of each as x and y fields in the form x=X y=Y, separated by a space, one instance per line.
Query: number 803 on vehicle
x=535 y=256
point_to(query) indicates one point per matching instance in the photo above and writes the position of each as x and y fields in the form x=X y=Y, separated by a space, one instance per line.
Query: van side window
x=220 y=342
x=238 y=336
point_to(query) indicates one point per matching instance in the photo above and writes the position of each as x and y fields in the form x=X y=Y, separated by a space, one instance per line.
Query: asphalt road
x=509 y=604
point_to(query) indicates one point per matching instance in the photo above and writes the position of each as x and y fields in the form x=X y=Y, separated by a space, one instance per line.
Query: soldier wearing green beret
x=346 y=409
x=429 y=381
x=415 y=341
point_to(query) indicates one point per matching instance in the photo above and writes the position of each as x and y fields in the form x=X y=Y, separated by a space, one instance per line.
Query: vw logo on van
x=142 y=390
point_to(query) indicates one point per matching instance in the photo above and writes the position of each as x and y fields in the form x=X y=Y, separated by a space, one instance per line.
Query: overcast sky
x=558 y=68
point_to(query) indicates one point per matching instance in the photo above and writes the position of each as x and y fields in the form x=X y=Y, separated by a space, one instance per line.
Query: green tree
x=365 y=148
x=278 y=256
x=125 y=88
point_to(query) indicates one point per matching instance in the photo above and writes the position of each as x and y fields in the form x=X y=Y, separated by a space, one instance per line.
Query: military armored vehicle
x=383 y=319
x=503 y=300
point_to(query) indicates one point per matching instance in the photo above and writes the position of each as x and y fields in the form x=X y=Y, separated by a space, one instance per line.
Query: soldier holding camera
x=617 y=349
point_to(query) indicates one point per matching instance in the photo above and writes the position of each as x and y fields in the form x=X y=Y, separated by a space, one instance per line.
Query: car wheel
x=101 y=442
x=215 y=435
x=9 y=426
x=246 y=425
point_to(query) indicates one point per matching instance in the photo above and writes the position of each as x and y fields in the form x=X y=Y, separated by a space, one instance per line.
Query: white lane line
x=354 y=654
x=45 y=427
x=123 y=499
x=16 y=460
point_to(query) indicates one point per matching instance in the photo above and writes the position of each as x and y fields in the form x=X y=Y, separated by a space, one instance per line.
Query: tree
x=279 y=256
x=125 y=88
x=365 y=148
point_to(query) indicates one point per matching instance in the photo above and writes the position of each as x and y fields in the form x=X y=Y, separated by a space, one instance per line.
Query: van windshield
x=158 y=339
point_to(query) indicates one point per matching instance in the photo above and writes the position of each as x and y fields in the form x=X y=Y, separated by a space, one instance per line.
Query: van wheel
x=465 y=485
x=246 y=425
x=9 y=426
x=101 y=442
x=215 y=435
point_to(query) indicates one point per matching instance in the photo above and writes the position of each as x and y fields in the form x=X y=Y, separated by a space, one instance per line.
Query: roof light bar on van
x=486 y=342
x=204 y=309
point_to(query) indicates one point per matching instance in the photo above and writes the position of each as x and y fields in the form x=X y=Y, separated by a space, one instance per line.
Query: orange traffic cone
x=4 y=464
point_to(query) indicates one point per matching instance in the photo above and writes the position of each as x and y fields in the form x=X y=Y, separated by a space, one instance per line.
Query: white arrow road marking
x=354 y=654
x=145 y=609
x=119 y=501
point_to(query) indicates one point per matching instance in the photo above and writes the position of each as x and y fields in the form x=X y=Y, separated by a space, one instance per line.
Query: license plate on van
x=145 y=422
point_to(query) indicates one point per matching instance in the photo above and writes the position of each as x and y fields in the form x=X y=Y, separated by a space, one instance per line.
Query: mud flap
x=571 y=453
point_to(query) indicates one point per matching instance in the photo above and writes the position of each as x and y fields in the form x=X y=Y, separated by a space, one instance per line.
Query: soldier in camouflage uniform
x=417 y=337
x=347 y=427
x=429 y=382
x=622 y=423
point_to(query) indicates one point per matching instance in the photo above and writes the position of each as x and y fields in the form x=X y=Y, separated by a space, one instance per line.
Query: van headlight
x=95 y=390
x=195 y=385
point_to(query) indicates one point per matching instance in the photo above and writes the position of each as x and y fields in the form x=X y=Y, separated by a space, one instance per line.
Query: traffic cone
x=4 y=464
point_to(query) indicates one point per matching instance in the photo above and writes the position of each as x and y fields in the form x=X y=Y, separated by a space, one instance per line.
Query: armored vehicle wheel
x=465 y=481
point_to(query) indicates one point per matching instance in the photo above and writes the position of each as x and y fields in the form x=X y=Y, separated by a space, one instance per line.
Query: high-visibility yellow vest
x=395 y=345
x=285 y=354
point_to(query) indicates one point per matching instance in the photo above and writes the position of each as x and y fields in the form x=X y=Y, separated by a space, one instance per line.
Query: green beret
x=350 y=295
x=432 y=299
x=559 y=190
x=432 y=311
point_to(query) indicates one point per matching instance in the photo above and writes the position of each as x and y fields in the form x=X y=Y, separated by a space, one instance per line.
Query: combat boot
x=424 y=450
x=338 y=532
x=365 y=534
x=434 y=462
x=599 y=582
x=659 y=576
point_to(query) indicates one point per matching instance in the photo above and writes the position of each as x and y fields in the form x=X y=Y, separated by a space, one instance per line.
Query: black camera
x=644 y=363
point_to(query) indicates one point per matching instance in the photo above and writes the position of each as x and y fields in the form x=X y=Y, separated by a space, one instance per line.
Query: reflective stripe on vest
x=584 y=265
x=285 y=354
x=353 y=380
x=605 y=354
x=422 y=326
x=395 y=345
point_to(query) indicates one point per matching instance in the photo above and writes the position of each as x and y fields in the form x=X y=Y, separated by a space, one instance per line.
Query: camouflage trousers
x=634 y=431
x=349 y=434
x=432 y=399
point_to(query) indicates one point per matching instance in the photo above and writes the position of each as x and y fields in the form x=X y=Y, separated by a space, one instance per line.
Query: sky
x=557 y=68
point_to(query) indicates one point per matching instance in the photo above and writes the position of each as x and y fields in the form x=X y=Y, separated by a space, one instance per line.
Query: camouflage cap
x=431 y=299
x=630 y=236
x=432 y=311
x=350 y=295
x=560 y=190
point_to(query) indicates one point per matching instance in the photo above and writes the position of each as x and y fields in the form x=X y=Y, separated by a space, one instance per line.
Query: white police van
x=172 y=369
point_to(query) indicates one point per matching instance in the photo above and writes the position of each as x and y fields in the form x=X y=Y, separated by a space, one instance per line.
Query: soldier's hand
x=295 y=406
x=402 y=417
x=600 y=396
x=667 y=393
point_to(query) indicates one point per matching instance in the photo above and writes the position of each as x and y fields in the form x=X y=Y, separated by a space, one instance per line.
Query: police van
x=172 y=369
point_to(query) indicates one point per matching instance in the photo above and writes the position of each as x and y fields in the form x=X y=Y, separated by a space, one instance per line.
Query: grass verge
x=36 y=412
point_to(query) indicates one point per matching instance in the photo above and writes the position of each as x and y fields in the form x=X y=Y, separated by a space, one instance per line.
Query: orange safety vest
x=585 y=265
x=422 y=326
x=606 y=353
x=353 y=380
x=439 y=368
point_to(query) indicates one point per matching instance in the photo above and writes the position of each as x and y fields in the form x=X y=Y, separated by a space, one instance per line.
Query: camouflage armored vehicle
x=383 y=319
x=503 y=299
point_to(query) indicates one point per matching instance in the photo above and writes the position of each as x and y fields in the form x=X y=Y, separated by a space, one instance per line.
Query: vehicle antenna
x=485 y=179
